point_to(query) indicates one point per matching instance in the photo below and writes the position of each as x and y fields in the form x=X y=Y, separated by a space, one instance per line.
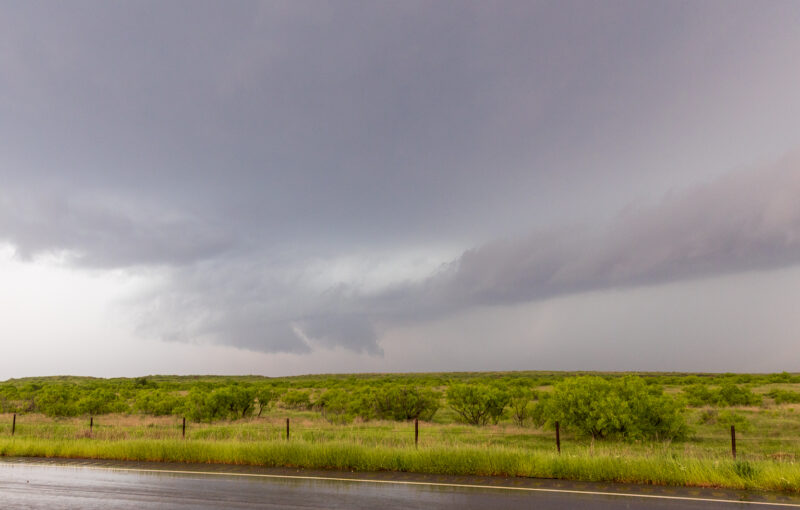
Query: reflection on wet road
x=68 y=485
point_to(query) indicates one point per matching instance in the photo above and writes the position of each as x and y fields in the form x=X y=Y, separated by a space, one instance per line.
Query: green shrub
x=9 y=399
x=783 y=377
x=194 y=405
x=405 y=403
x=231 y=402
x=100 y=401
x=57 y=400
x=698 y=395
x=296 y=399
x=521 y=405
x=625 y=408
x=784 y=396
x=476 y=404
x=265 y=395
x=226 y=402
x=337 y=406
x=143 y=382
x=158 y=403
x=727 y=418
x=728 y=394
x=708 y=417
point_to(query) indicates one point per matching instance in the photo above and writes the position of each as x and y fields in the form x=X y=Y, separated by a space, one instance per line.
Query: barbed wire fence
x=400 y=434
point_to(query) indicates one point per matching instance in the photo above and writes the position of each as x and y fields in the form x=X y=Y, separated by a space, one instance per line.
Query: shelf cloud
x=744 y=221
x=295 y=177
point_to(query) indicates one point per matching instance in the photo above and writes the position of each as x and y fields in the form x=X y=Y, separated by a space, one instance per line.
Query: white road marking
x=407 y=482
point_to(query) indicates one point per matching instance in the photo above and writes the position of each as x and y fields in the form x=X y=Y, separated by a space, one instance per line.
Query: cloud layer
x=290 y=176
x=741 y=222
x=745 y=221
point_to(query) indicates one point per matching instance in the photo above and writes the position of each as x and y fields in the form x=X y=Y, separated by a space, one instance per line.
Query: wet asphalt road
x=45 y=485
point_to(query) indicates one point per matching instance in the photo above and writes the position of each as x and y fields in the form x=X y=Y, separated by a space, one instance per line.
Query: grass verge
x=661 y=469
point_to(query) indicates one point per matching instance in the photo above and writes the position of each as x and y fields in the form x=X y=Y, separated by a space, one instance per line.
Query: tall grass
x=601 y=465
x=768 y=453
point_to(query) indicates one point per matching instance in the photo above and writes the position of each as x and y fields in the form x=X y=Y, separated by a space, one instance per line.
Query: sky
x=299 y=187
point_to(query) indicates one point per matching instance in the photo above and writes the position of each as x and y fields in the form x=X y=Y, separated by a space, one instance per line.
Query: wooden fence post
x=91 y=424
x=183 y=428
x=13 y=424
x=558 y=439
x=733 y=441
x=287 y=429
x=416 y=432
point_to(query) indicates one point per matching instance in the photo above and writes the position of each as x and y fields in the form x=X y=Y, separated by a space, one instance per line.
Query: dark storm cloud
x=105 y=233
x=334 y=124
x=229 y=146
x=742 y=222
x=254 y=304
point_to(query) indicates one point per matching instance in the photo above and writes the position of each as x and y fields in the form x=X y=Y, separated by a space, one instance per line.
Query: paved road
x=33 y=484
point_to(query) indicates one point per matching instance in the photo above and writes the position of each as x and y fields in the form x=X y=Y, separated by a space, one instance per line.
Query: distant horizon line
x=454 y=372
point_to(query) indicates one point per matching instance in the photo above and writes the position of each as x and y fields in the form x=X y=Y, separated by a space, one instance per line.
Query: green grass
x=768 y=436
x=607 y=464
x=704 y=461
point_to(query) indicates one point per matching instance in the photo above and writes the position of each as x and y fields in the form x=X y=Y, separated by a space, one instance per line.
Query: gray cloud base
x=745 y=221
x=102 y=232
x=226 y=149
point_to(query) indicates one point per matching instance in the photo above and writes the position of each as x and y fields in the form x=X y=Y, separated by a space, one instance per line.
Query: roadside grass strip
x=584 y=465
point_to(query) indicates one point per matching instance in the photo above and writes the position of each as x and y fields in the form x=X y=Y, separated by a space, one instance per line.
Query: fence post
x=558 y=439
x=183 y=428
x=416 y=432
x=91 y=424
x=13 y=424
x=733 y=441
x=287 y=429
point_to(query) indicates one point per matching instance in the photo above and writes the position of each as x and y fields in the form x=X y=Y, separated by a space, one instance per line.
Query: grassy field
x=607 y=463
x=768 y=442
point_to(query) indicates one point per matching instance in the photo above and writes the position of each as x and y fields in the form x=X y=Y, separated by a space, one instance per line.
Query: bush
x=521 y=405
x=475 y=404
x=157 y=403
x=784 y=396
x=783 y=377
x=57 y=400
x=728 y=394
x=698 y=395
x=231 y=402
x=194 y=406
x=100 y=401
x=625 y=408
x=708 y=417
x=143 y=382
x=296 y=399
x=264 y=396
x=9 y=395
x=227 y=402
x=337 y=406
x=405 y=403
x=727 y=418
